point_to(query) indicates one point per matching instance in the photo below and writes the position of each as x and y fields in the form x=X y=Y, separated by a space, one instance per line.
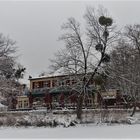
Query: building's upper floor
x=55 y=81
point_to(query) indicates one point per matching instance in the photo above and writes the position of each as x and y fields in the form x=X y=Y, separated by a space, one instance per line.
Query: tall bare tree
x=86 y=49
x=123 y=71
x=132 y=32
x=9 y=70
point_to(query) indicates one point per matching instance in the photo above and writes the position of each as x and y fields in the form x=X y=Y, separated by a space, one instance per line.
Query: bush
x=1 y=122
x=54 y=123
x=22 y=122
x=73 y=123
x=10 y=120
x=41 y=123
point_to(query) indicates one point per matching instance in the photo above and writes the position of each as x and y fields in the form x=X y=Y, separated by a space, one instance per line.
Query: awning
x=39 y=92
x=68 y=89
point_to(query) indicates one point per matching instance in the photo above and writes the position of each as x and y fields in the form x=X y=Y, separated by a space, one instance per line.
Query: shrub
x=1 y=122
x=10 y=120
x=22 y=122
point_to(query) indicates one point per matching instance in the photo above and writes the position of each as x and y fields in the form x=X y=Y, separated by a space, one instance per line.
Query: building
x=63 y=91
x=59 y=91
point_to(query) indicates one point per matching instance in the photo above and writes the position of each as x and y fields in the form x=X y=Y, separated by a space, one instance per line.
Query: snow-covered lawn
x=80 y=131
x=114 y=124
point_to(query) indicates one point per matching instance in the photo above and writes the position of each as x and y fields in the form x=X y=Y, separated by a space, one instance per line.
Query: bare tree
x=10 y=71
x=86 y=49
x=123 y=72
x=132 y=32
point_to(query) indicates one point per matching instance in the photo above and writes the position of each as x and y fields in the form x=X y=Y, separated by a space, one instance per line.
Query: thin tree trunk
x=79 y=107
x=134 y=109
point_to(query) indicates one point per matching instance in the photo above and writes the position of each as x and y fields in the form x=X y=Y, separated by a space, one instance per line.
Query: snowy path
x=118 y=131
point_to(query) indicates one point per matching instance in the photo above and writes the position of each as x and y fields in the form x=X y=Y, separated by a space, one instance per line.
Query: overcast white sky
x=35 y=25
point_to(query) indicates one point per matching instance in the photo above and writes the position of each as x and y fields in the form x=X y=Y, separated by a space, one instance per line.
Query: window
x=35 y=85
x=25 y=103
x=61 y=83
x=67 y=82
x=54 y=83
x=44 y=83
x=73 y=81
x=19 y=104
x=40 y=84
x=47 y=83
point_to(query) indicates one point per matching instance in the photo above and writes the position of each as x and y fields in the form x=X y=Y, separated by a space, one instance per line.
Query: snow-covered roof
x=46 y=76
x=59 y=72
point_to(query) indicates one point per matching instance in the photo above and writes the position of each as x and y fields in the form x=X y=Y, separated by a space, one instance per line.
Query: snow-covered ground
x=80 y=131
x=94 y=124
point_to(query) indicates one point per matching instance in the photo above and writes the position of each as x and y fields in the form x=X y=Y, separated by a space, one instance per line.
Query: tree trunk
x=134 y=109
x=79 y=107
